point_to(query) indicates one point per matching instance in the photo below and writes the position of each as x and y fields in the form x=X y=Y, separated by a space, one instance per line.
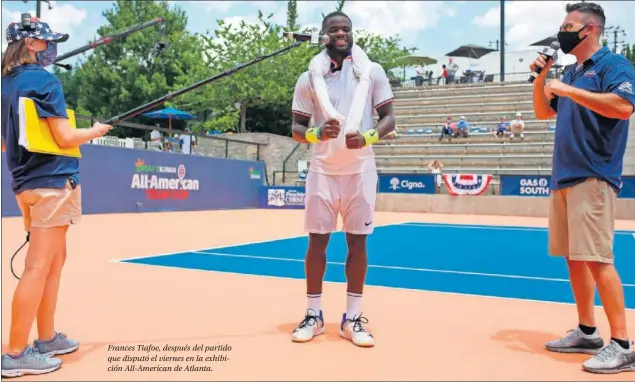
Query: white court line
x=367 y=284
x=232 y=245
x=493 y=227
x=398 y=268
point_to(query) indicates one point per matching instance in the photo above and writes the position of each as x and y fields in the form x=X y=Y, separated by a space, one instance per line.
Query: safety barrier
x=293 y=197
x=123 y=180
x=538 y=185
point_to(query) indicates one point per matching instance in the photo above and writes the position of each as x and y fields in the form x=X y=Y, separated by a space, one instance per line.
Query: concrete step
x=473 y=118
x=464 y=98
x=490 y=124
x=455 y=110
x=465 y=149
x=498 y=160
x=488 y=88
x=530 y=136
x=467 y=169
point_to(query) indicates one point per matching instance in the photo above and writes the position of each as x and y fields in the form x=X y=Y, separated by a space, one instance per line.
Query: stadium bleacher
x=421 y=113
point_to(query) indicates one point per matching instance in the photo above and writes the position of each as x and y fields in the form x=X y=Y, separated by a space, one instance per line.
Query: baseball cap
x=34 y=28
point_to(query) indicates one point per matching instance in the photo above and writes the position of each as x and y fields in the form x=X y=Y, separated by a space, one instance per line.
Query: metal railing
x=224 y=148
x=461 y=79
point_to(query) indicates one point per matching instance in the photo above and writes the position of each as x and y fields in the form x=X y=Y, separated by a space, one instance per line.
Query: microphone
x=65 y=66
x=314 y=37
x=551 y=53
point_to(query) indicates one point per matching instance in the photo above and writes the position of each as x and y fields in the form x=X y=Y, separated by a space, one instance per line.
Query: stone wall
x=273 y=150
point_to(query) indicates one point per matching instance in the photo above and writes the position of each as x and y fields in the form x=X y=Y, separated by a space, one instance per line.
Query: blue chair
x=483 y=130
x=410 y=131
x=428 y=131
x=419 y=131
x=552 y=128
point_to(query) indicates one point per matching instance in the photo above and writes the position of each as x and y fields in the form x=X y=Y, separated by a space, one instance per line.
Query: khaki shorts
x=50 y=207
x=581 y=221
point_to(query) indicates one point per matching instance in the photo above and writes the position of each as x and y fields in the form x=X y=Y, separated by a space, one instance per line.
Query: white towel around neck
x=320 y=65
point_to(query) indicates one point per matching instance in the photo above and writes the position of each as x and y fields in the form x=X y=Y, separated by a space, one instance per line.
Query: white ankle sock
x=353 y=304
x=314 y=302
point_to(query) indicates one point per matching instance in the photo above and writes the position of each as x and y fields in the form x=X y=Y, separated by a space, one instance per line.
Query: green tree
x=264 y=91
x=268 y=82
x=292 y=16
x=127 y=73
x=629 y=53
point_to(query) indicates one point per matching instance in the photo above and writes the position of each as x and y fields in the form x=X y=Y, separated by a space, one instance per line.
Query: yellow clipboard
x=35 y=133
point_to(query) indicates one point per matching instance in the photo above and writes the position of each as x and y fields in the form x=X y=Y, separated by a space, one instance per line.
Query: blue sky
x=433 y=27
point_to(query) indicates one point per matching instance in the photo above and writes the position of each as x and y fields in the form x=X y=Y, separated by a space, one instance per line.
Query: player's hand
x=541 y=62
x=355 y=140
x=556 y=87
x=331 y=129
x=101 y=129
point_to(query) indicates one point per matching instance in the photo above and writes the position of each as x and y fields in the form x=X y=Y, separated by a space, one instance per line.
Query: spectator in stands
x=518 y=124
x=156 y=140
x=436 y=167
x=187 y=141
x=47 y=191
x=501 y=128
x=447 y=130
x=420 y=75
x=453 y=68
x=443 y=78
x=462 y=128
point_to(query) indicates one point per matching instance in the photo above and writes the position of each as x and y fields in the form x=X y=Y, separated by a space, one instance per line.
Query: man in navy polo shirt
x=593 y=104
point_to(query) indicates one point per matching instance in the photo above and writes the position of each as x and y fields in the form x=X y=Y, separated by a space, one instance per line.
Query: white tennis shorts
x=352 y=196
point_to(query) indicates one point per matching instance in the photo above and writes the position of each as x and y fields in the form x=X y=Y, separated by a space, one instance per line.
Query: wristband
x=313 y=135
x=370 y=137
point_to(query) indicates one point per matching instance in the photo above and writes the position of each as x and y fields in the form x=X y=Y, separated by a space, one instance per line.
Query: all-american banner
x=466 y=184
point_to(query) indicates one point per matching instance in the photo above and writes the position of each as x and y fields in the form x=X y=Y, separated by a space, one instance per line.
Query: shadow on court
x=528 y=341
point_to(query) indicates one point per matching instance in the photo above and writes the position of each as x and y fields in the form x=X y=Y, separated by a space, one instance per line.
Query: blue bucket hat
x=34 y=28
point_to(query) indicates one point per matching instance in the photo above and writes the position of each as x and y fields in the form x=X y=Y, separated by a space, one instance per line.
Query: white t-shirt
x=332 y=157
x=517 y=122
x=155 y=136
x=186 y=143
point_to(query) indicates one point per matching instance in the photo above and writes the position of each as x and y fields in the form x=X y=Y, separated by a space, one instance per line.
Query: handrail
x=284 y=162
x=139 y=126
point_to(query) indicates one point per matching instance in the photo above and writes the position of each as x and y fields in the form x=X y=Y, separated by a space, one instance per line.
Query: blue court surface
x=508 y=262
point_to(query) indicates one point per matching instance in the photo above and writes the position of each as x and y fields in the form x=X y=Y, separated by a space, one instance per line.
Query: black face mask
x=569 y=40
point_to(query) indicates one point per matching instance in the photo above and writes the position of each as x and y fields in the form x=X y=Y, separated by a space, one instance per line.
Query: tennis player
x=342 y=177
x=47 y=191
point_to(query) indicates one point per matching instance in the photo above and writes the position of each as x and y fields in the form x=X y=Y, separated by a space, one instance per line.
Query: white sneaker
x=312 y=325
x=353 y=330
x=522 y=135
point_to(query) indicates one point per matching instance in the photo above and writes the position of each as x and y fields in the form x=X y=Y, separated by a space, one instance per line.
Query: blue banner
x=122 y=180
x=525 y=185
x=628 y=187
x=282 y=197
x=407 y=184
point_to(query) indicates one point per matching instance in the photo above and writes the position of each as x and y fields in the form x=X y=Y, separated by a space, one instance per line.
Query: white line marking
x=396 y=268
x=232 y=245
x=367 y=284
x=493 y=227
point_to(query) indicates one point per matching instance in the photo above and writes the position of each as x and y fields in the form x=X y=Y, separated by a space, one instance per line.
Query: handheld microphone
x=314 y=37
x=551 y=53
